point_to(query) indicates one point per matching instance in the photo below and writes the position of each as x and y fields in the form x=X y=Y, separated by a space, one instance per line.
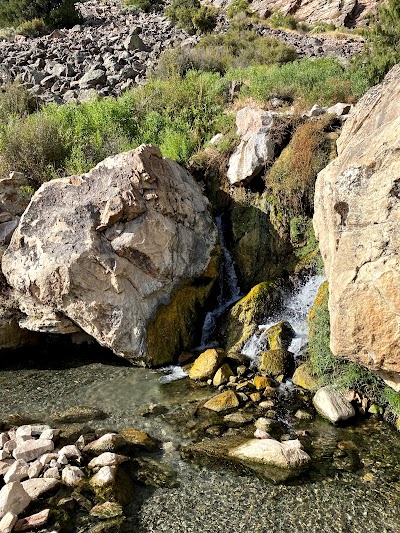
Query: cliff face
x=339 y=12
x=357 y=221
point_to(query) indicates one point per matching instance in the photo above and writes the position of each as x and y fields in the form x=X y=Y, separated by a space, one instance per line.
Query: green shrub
x=143 y=5
x=32 y=28
x=55 y=13
x=237 y=7
x=320 y=80
x=15 y=102
x=279 y=20
x=33 y=146
x=205 y=19
x=191 y=16
x=218 y=52
x=383 y=47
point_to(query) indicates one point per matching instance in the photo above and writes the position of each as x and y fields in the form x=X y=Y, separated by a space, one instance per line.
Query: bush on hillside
x=143 y=5
x=191 y=16
x=217 y=53
x=54 y=13
x=321 y=80
x=383 y=47
x=15 y=102
x=32 y=28
x=279 y=20
x=237 y=7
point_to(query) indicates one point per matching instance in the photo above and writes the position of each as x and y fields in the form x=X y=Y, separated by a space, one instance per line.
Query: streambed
x=357 y=491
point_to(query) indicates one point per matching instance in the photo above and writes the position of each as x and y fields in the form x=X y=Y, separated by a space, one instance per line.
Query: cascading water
x=229 y=290
x=295 y=309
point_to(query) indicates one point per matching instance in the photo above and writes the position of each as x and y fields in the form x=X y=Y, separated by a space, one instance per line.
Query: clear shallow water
x=341 y=493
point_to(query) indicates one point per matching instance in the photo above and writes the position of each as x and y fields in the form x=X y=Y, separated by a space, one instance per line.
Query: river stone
x=107 y=510
x=262 y=382
x=206 y=365
x=107 y=459
x=72 y=476
x=222 y=402
x=139 y=439
x=7 y=522
x=280 y=336
x=303 y=377
x=13 y=499
x=36 y=487
x=34 y=521
x=3 y=439
x=331 y=404
x=276 y=363
x=70 y=452
x=126 y=252
x=110 y=442
x=256 y=145
x=17 y=471
x=222 y=375
x=287 y=455
x=32 y=449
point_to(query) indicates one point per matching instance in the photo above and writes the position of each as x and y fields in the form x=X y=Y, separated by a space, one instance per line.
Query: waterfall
x=295 y=309
x=229 y=290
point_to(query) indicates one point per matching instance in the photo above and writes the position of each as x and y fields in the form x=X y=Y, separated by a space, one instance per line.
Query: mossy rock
x=177 y=324
x=247 y=313
x=119 y=488
x=320 y=300
x=304 y=378
x=258 y=250
x=280 y=336
x=276 y=363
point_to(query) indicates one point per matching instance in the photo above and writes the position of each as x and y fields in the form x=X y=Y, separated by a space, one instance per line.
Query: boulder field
x=356 y=220
x=126 y=253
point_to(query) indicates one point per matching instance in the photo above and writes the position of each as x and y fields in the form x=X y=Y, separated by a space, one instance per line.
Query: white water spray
x=295 y=310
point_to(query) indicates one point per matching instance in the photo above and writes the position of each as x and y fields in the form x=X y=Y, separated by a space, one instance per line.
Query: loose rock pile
x=85 y=474
x=111 y=51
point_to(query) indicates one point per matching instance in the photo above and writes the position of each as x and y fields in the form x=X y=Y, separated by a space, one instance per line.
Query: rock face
x=357 y=211
x=256 y=145
x=339 y=12
x=116 y=251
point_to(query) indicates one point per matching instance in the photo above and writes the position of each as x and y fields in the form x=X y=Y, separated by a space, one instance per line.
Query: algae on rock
x=248 y=312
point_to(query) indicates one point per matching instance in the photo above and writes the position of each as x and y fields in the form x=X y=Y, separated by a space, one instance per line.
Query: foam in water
x=295 y=309
x=172 y=373
x=228 y=294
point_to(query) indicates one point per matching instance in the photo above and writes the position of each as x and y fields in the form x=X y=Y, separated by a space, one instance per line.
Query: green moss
x=275 y=363
x=177 y=325
x=280 y=336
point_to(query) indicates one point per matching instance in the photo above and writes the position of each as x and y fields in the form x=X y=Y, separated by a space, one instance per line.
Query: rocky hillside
x=350 y=13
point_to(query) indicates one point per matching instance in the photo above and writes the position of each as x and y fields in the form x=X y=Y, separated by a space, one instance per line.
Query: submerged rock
x=126 y=252
x=331 y=404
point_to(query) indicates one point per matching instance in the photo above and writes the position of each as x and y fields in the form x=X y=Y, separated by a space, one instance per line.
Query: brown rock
x=139 y=439
x=32 y=522
x=222 y=375
x=207 y=364
x=222 y=402
x=356 y=219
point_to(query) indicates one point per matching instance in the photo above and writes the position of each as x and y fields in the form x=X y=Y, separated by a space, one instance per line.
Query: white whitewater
x=295 y=309
x=229 y=290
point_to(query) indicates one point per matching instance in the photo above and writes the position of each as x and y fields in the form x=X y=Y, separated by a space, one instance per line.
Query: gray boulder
x=331 y=404
x=126 y=252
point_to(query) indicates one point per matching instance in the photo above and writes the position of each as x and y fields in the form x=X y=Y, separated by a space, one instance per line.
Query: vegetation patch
x=192 y=16
x=32 y=14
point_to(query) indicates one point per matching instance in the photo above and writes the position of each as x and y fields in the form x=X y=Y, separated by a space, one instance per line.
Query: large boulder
x=126 y=252
x=256 y=147
x=357 y=212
